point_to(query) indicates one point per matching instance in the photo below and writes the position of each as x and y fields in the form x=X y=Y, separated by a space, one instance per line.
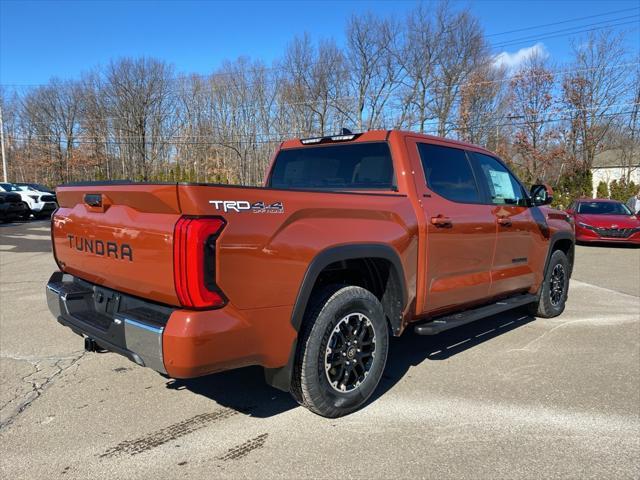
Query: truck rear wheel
x=342 y=351
x=554 y=288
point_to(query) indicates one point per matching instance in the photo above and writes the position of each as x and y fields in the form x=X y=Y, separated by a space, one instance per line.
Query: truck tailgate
x=119 y=236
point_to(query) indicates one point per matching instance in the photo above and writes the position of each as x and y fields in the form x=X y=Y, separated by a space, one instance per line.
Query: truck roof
x=381 y=135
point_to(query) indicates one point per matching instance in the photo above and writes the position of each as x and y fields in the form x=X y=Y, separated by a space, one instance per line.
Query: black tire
x=357 y=312
x=553 y=291
x=27 y=212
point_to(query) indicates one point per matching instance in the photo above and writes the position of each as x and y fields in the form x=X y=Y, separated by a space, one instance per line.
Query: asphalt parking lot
x=508 y=397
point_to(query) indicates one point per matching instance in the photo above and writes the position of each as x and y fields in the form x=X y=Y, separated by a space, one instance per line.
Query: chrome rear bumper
x=117 y=322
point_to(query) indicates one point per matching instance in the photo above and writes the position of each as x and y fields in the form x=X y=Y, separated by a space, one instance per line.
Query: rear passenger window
x=448 y=173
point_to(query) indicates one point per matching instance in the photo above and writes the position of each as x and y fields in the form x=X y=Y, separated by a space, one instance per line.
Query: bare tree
x=11 y=123
x=52 y=113
x=417 y=57
x=137 y=119
x=592 y=90
x=531 y=105
x=462 y=50
x=95 y=124
x=137 y=97
x=312 y=85
x=630 y=141
x=483 y=104
x=373 y=66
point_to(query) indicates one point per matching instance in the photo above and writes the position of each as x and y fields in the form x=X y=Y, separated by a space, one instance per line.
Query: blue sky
x=43 y=39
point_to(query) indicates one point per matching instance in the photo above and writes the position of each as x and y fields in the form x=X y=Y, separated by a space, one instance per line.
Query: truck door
x=512 y=268
x=460 y=231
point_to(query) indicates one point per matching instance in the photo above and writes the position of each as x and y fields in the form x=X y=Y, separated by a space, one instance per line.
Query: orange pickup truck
x=353 y=239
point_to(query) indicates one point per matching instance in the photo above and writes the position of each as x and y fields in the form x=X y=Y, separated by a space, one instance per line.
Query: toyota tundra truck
x=353 y=238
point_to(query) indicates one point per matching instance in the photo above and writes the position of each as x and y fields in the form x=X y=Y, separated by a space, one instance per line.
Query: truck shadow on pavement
x=245 y=389
x=411 y=349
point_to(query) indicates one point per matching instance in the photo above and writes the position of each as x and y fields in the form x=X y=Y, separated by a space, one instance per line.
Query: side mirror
x=541 y=194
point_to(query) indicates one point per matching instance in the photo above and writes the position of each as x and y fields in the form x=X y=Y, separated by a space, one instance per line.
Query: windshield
x=603 y=208
x=36 y=187
x=7 y=187
x=356 y=166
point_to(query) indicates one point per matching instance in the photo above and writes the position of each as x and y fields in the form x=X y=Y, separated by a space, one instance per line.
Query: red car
x=602 y=220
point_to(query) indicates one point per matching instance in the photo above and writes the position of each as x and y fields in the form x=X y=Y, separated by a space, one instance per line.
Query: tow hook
x=90 y=345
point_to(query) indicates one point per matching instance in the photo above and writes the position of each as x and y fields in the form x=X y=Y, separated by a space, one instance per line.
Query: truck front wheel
x=342 y=351
x=554 y=289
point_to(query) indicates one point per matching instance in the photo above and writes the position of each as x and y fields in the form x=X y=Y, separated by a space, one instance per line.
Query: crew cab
x=353 y=238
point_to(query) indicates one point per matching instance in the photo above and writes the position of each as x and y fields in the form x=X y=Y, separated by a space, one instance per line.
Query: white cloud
x=512 y=61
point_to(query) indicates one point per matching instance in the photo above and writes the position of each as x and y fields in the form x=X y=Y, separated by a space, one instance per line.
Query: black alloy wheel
x=350 y=352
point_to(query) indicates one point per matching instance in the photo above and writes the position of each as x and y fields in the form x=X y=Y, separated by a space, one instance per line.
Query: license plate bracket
x=105 y=301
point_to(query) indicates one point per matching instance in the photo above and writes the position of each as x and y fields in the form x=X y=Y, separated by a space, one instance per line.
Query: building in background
x=615 y=164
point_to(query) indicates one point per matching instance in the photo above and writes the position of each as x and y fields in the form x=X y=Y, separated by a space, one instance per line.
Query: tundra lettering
x=113 y=249
x=313 y=292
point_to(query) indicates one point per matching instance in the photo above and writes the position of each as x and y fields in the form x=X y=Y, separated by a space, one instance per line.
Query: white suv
x=41 y=204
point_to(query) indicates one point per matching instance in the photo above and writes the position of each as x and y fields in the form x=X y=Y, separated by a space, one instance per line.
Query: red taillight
x=194 y=262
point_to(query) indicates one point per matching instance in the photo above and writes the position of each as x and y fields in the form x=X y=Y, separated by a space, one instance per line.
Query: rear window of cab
x=357 y=166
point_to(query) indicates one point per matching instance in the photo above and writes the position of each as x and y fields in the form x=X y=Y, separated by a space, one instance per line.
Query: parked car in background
x=603 y=220
x=46 y=195
x=35 y=186
x=40 y=204
x=12 y=207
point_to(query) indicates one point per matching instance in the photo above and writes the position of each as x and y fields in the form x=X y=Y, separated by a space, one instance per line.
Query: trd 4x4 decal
x=243 y=206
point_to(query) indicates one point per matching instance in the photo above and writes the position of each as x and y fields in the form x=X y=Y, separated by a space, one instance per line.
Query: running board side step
x=458 y=319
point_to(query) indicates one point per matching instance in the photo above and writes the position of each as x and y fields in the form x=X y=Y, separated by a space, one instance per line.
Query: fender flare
x=281 y=377
x=557 y=236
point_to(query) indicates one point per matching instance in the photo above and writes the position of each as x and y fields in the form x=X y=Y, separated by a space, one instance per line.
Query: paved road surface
x=510 y=397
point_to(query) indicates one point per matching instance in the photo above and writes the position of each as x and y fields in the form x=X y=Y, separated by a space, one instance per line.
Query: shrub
x=622 y=189
x=603 y=190
x=572 y=185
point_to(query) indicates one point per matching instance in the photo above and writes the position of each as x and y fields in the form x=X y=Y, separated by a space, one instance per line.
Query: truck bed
x=122 y=235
